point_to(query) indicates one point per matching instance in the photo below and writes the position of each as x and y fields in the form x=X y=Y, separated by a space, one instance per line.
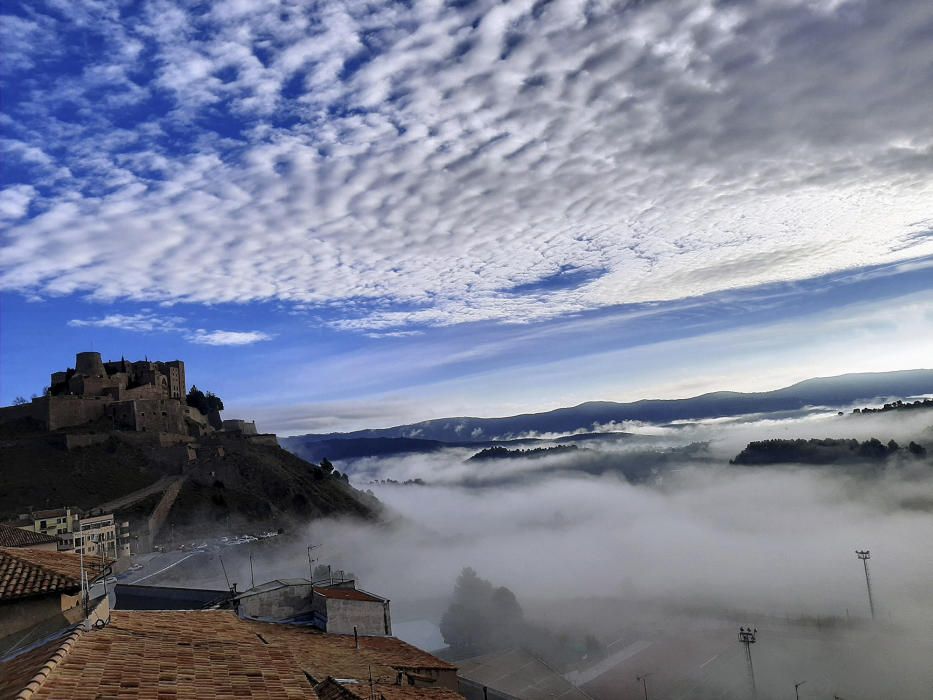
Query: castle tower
x=89 y=364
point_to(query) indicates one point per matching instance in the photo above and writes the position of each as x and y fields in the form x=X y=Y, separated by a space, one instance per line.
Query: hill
x=232 y=480
x=837 y=391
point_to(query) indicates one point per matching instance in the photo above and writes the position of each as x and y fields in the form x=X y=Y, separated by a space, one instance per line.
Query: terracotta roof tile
x=25 y=573
x=323 y=655
x=214 y=654
x=17 y=537
x=19 y=668
x=180 y=654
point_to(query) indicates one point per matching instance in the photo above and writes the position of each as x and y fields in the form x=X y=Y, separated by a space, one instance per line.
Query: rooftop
x=52 y=513
x=17 y=537
x=27 y=573
x=214 y=654
x=520 y=675
x=332 y=689
x=347 y=594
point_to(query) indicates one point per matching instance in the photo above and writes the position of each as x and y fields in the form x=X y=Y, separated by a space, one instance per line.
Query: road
x=154 y=565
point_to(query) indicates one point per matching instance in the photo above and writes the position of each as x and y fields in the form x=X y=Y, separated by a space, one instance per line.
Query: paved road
x=154 y=565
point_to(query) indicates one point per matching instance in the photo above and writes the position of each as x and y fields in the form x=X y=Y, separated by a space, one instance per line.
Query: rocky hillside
x=232 y=480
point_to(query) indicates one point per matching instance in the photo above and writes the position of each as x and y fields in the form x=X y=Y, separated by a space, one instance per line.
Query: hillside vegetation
x=824 y=451
x=231 y=481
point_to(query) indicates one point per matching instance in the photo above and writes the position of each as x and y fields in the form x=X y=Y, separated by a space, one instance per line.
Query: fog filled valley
x=643 y=550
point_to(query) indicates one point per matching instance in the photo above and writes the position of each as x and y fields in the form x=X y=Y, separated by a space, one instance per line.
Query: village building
x=18 y=537
x=340 y=608
x=98 y=535
x=41 y=590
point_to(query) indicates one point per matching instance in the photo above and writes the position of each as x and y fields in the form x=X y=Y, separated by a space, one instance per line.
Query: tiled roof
x=52 y=513
x=519 y=675
x=18 y=537
x=25 y=573
x=323 y=655
x=347 y=594
x=197 y=655
x=214 y=654
x=19 y=668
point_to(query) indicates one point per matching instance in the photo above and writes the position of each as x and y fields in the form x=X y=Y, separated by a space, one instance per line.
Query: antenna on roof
x=224 y=568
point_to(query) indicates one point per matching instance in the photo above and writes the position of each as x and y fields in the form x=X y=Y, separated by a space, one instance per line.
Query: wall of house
x=19 y=615
x=278 y=603
x=368 y=617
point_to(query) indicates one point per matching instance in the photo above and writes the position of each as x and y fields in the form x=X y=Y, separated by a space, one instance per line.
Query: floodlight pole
x=643 y=679
x=865 y=555
x=747 y=637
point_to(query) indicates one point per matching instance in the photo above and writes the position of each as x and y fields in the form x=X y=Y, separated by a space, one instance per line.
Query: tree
x=481 y=617
x=204 y=402
x=916 y=449
x=19 y=401
x=326 y=466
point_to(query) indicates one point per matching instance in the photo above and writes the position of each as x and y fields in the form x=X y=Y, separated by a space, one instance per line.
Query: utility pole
x=796 y=689
x=749 y=636
x=643 y=679
x=865 y=555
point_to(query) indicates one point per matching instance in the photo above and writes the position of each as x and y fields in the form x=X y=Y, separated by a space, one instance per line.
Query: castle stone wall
x=37 y=409
x=65 y=411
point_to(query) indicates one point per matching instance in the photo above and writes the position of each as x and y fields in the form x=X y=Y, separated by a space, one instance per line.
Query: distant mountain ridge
x=835 y=391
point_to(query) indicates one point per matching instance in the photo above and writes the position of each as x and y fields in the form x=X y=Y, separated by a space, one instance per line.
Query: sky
x=359 y=214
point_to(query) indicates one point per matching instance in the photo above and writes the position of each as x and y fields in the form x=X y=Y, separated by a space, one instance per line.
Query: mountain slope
x=826 y=391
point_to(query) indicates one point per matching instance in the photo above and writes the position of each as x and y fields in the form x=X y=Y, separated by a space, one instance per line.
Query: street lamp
x=796 y=689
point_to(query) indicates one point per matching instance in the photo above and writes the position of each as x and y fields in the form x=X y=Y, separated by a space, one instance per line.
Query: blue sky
x=350 y=214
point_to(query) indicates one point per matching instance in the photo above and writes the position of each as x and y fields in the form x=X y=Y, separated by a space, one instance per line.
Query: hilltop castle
x=129 y=396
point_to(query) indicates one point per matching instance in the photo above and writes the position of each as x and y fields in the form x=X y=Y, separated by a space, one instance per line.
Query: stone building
x=339 y=608
x=139 y=396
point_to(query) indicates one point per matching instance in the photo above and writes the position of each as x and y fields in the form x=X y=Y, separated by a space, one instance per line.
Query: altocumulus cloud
x=150 y=323
x=430 y=165
x=203 y=337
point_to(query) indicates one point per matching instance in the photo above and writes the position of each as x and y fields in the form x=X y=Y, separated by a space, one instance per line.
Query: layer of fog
x=777 y=540
x=697 y=536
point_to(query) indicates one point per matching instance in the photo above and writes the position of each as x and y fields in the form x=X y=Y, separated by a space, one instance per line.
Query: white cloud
x=203 y=337
x=154 y=323
x=141 y=323
x=412 y=165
